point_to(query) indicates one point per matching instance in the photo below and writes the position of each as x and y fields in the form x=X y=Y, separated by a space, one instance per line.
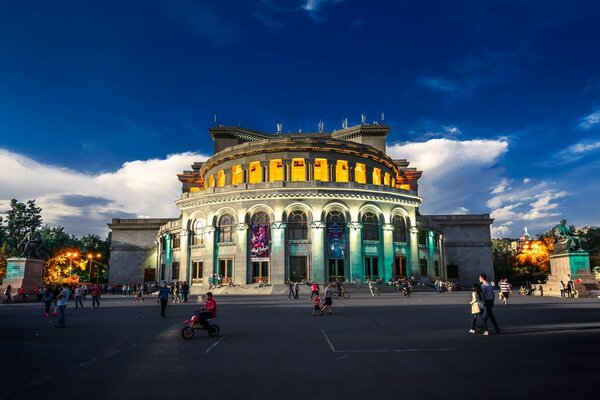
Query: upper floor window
x=376 y=176
x=321 y=172
x=386 y=179
x=221 y=178
x=423 y=237
x=176 y=241
x=298 y=169
x=275 y=170
x=198 y=232
x=211 y=181
x=370 y=224
x=226 y=225
x=399 y=228
x=254 y=172
x=341 y=171
x=237 y=175
x=360 y=173
x=297 y=226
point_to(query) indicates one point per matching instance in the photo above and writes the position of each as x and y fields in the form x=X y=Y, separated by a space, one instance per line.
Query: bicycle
x=343 y=293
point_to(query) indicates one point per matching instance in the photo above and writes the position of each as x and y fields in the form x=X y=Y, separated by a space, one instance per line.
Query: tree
x=54 y=239
x=591 y=241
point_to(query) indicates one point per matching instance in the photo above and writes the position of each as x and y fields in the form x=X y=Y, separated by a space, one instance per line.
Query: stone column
x=277 y=256
x=355 y=248
x=413 y=259
x=241 y=263
x=210 y=254
x=388 y=251
x=185 y=253
x=317 y=267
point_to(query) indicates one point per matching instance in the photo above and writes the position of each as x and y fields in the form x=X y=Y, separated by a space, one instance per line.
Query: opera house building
x=324 y=206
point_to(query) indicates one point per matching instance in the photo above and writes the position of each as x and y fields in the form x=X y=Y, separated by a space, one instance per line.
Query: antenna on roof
x=363 y=119
x=321 y=126
x=345 y=123
x=382 y=117
x=279 y=127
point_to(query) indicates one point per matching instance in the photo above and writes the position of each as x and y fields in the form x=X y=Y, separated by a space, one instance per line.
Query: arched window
x=370 y=230
x=297 y=226
x=399 y=228
x=226 y=225
x=336 y=217
x=198 y=232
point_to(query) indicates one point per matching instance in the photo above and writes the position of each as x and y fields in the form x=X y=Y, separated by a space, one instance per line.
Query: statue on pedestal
x=32 y=244
x=565 y=239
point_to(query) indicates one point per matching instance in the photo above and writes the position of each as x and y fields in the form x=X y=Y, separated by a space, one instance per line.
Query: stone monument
x=26 y=271
x=569 y=258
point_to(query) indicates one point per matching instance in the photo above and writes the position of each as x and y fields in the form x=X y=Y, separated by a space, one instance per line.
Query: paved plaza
x=386 y=347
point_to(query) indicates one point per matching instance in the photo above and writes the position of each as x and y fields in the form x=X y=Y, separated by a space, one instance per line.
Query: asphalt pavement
x=384 y=347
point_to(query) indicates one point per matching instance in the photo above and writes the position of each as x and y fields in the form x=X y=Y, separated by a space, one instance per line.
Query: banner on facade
x=259 y=243
x=336 y=241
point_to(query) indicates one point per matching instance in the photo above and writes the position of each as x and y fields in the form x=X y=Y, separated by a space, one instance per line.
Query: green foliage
x=55 y=239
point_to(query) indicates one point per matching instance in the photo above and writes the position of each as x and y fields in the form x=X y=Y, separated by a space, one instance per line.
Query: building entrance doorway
x=298 y=268
x=371 y=268
x=399 y=267
x=336 y=270
x=260 y=271
x=226 y=270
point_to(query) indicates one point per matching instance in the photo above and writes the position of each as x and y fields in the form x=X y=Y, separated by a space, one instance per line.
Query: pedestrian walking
x=78 y=294
x=505 y=290
x=291 y=290
x=562 y=289
x=314 y=290
x=487 y=291
x=47 y=299
x=477 y=306
x=95 y=296
x=63 y=300
x=296 y=288
x=163 y=296
x=328 y=299
x=8 y=294
x=185 y=290
x=316 y=305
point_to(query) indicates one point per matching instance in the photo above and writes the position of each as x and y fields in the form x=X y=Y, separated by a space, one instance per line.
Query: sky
x=102 y=103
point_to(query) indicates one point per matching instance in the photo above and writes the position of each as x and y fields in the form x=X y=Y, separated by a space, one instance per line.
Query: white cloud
x=456 y=174
x=502 y=186
x=315 y=8
x=84 y=203
x=590 y=120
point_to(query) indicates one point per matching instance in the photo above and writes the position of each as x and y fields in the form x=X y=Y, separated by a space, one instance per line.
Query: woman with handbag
x=477 y=307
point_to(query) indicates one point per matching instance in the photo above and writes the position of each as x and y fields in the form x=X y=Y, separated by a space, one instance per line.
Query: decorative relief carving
x=318 y=225
x=414 y=230
x=355 y=225
x=278 y=225
x=241 y=227
x=387 y=227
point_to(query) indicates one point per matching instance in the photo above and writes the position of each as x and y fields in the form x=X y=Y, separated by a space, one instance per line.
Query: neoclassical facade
x=315 y=206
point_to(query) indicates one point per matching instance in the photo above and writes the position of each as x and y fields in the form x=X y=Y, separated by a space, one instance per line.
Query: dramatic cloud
x=456 y=174
x=85 y=203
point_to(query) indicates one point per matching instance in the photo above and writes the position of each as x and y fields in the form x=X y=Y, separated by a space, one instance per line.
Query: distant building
x=307 y=206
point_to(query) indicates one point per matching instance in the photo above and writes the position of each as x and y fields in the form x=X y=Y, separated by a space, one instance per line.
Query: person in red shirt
x=209 y=310
x=317 y=305
x=95 y=296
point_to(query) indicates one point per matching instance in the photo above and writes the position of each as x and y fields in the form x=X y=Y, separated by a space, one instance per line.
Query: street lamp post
x=90 y=257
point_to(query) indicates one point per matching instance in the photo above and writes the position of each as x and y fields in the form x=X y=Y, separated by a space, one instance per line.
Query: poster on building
x=336 y=241
x=259 y=243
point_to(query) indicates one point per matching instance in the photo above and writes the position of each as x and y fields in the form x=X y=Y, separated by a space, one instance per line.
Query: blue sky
x=498 y=102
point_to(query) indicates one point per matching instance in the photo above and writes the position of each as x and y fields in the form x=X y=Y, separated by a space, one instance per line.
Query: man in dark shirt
x=488 y=298
x=163 y=296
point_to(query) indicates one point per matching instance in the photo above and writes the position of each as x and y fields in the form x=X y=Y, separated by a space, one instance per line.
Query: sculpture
x=565 y=239
x=32 y=243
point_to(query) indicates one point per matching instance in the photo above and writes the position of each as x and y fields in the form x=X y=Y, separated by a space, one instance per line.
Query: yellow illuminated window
x=194 y=189
x=298 y=169
x=405 y=186
x=341 y=171
x=211 y=181
x=393 y=182
x=376 y=176
x=254 y=172
x=386 y=179
x=360 y=173
x=321 y=172
x=275 y=170
x=221 y=178
x=237 y=175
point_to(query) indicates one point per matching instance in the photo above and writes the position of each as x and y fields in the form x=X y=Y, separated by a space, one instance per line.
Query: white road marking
x=328 y=341
x=214 y=345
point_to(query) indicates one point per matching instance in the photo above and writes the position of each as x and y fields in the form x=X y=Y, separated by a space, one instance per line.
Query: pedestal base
x=576 y=264
x=26 y=273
